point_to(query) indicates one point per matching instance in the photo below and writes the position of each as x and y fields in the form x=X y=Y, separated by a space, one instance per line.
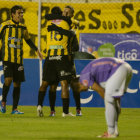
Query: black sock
x=16 y=96
x=41 y=97
x=52 y=98
x=77 y=100
x=65 y=105
x=5 y=92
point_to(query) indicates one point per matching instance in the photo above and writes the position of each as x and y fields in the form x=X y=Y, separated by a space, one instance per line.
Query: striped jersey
x=12 y=36
x=57 y=44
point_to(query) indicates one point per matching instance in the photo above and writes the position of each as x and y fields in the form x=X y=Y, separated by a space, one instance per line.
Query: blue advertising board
x=29 y=88
x=127 y=46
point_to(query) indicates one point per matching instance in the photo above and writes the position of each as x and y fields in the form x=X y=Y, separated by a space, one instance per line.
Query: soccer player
x=68 y=12
x=110 y=78
x=57 y=66
x=12 y=33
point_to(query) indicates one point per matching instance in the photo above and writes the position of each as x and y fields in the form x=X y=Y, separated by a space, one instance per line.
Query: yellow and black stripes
x=57 y=43
x=12 y=35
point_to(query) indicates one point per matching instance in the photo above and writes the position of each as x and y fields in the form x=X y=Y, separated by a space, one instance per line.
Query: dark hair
x=56 y=10
x=14 y=8
x=71 y=8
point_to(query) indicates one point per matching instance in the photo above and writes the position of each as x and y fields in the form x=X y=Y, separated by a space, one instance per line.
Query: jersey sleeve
x=26 y=34
x=86 y=77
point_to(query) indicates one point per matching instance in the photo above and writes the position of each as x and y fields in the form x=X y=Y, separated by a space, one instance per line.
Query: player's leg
x=65 y=96
x=41 y=96
x=42 y=89
x=118 y=110
x=110 y=113
x=52 y=99
x=8 y=77
x=16 y=97
x=115 y=88
x=64 y=75
x=18 y=77
x=76 y=96
x=5 y=90
x=42 y=92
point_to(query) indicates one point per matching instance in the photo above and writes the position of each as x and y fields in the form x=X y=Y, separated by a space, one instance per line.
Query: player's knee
x=75 y=84
x=8 y=81
x=43 y=86
x=109 y=99
x=53 y=88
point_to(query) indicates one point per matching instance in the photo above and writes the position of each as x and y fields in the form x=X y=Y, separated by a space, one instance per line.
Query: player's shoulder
x=58 y=17
x=7 y=22
x=23 y=25
x=75 y=22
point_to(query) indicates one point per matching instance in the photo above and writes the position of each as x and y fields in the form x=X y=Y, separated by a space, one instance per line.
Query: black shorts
x=13 y=70
x=57 y=68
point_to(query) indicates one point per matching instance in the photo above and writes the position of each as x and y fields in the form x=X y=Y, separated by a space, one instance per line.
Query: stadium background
x=95 y=17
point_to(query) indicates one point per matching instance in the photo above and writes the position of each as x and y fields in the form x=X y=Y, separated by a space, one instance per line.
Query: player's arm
x=54 y=16
x=1 y=34
x=98 y=88
x=31 y=44
x=54 y=27
x=75 y=44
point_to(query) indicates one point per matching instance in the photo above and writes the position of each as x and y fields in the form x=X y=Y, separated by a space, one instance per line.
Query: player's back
x=57 y=44
x=100 y=70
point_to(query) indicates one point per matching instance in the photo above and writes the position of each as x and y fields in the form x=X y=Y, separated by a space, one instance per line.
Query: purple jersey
x=99 y=70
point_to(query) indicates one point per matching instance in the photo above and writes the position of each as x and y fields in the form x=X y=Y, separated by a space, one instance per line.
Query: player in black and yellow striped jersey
x=74 y=46
x=57 y=66
x=69 y=11
x=57 y=44
x=12 y=33
x=12 y=38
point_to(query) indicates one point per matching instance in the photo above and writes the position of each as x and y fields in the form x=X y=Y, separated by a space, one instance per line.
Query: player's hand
x=52 y=27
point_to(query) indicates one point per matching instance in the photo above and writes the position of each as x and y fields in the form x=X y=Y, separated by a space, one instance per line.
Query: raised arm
x=54 y=27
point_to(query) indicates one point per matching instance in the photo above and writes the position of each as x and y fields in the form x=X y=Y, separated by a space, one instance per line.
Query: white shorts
x=117 y=84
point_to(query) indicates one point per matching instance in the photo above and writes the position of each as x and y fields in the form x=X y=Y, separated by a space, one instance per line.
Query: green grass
x=87 y=127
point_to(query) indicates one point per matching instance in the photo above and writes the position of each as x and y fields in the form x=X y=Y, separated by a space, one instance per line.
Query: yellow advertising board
x=93 y=18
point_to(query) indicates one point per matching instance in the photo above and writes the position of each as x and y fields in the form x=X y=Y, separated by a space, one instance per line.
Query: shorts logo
x=5 y=67
x=85 y=82
x=20 y=68
x=63 y=73
x=55 y=57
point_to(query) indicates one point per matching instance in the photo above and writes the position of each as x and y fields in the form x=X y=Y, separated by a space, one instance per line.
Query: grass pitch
x=87 y=127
